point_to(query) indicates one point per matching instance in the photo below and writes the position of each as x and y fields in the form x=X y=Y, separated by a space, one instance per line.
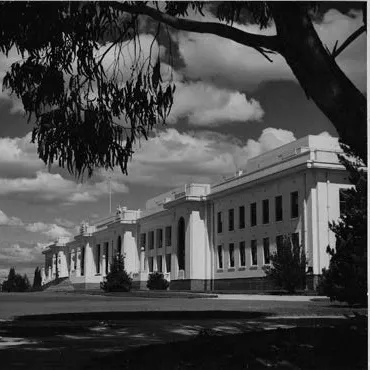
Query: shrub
x=37 y=280
x=346 y=278
x=16 y=282
x=156 y=281
x=117 y=280
x=288 y=266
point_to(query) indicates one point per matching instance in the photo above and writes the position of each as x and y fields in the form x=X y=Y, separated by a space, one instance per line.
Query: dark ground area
x=97 y=332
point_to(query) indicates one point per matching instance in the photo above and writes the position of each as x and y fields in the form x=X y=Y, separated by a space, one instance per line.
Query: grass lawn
x=343 y=347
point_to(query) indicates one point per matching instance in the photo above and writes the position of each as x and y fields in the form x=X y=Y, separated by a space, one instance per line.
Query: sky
x=231 y=104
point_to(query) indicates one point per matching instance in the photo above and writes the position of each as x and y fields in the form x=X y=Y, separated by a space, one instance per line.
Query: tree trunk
x=320 y=76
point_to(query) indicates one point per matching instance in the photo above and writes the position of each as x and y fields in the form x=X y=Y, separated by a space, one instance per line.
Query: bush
x=346 y=278
x=288 y=266
x=117 y=280
x=16 y=282
x=156 y=281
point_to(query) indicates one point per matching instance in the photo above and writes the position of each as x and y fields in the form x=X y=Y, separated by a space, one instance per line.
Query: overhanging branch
x=263 y=44
x=348 y=41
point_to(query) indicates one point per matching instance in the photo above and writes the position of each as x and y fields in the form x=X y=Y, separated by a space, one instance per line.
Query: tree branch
x=349 y=40
x=261 y=43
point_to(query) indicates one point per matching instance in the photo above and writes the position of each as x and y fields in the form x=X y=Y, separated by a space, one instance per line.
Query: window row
x=294 y=212
x=158 y=240
x=159 y=263
x=252 y=250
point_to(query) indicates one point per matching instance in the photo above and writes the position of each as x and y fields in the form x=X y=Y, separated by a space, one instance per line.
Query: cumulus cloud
x=236 y=67
x=204 y=104
x=9 y=221
x=53 y=231
x=172 y=158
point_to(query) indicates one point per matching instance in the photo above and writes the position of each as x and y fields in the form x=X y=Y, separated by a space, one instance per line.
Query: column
x=53 y=266
x=71 y=262
x=142 y=259
x=103 y=265
x=89 y=260
x=50 y=273
x=62 y=264
x=43 y=276
x=78 y=261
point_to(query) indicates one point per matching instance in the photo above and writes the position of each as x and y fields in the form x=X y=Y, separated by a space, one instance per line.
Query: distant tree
x=37 y=279
x=87 y=115
x=346 y=278
x=117 y=280
x=288 y=266
x=16 y=282
x=156 y=281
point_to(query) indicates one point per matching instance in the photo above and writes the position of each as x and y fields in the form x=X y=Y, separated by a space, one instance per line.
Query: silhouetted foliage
x=156 y=281
x=37 y=279
x=288 y=266
x=346 y=278
x=117 y=280
x=89 y=112
x=16 y=282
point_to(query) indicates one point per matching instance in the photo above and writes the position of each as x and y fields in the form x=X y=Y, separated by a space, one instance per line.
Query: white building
x=216 y=237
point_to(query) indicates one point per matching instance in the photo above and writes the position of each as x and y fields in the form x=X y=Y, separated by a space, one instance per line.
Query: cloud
x=9 y=221
x=23 y=176
x=53 y=231
x=204 y=104
x=236 y=67
x=12 y=253
x=172 y=158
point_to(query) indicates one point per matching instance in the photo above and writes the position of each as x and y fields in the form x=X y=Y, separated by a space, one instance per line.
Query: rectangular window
x=220 y=257
x=143 y=241
x=266 y=251
x=159 y=263
x=168 y=262
x=254 y=252
x=265 y=211
x=294 y=211
x=150 y=263
x=151 y=239
x=342 y=201
x=82 y=261
x=168 y=236
x=295 y=239
x=219 y=222
x=231 y=255
x=242 y=253
x=253 y=214
x=279 y=208
x=231 y=219
x=279 y=242
x=98 y=258
x=241 y=217
x=159 y=238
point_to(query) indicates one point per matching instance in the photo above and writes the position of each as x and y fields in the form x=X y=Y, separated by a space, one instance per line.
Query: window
x=219 y=222
x=151 y=239
x=279 y=208
x=143 y=241
x=82 y=261
x=241 y=217
x=253 y=214
x=231 y=219
x=159 y=238
x=168 y=236
x=159 y=263
x=295 y=239
x=266 y=250
x=231 y=255
x=342 y=201
x=106 y=257
x=220 y=259
x=279 y=242
x=265 y=211
x=254 y=252
x=150 y=262
x=294 y=212
x=98 y=258
x=168 y=262
x=242 y=253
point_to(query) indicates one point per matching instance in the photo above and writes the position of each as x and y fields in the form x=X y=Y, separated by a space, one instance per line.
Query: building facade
x=218 y=237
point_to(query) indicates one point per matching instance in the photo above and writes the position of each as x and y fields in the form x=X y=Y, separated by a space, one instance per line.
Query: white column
x=62 y=264
x=53 y=266
x=50 y=277
x=78 y=261
x=43 y=276
x=129 y=252
x=89 y=260
x=142 y=259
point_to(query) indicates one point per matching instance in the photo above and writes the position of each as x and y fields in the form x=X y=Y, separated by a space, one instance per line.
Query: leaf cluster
x=16 y=282
x=85 y=114
x=156 y=281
